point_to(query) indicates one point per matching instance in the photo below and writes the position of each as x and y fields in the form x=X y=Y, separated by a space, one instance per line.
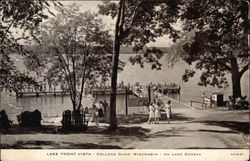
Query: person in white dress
x=94 y=115
x=151 y=113
x=167 y=109
x=157 y=113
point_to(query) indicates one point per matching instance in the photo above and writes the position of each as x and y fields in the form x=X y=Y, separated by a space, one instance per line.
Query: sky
x=110 y=23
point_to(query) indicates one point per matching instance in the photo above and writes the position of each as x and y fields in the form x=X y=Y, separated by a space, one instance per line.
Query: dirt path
x=198 y=129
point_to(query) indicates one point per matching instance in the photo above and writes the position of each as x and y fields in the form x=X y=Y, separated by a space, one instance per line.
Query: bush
x=28 y=118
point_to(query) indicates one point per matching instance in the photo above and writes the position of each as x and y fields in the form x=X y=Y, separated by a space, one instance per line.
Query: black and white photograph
x=125 y=75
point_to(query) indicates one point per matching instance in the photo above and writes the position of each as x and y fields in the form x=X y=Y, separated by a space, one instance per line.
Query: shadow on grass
x=134 y=133
x=132 y=119
x=217 y=131
x=141 y=118
x=16 y=129
x=242 y=127
x=165 y=133
x=55 y=145
x=177 y=117
x=49 y=129
x=122 y=131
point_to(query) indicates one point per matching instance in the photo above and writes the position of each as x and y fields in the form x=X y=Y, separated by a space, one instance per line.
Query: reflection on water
x=52 y=106
x=120 y=102
x=48 y=105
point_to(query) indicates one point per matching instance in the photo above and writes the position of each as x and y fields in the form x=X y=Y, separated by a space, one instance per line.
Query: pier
x=108 y=91
x=40 y=93
x=136 y=90
x=169 y=88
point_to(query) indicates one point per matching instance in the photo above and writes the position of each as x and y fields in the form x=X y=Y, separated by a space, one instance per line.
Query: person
x=91 y=99
x=4 y=120
x=168 y=110
x=151 y=113
x=105 y=108
x=155 y=99
x=241 y=102
x=94 y=115
x=100 y=109
x=86 y=110
x=157 y=112
x=203 y=96
x=37 y=117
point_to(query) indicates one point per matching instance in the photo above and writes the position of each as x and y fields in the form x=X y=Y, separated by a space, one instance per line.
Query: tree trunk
x=236 y=85
x=116 y=52
x=236 y=76
x=113 y=121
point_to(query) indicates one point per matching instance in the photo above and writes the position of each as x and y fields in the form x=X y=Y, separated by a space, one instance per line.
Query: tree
x=22 y=16
x=75 y=49
x=13 y=80
x=138 y=22
x=216 y=42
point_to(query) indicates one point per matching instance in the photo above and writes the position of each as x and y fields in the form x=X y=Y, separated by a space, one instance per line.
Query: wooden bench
x=74 y=120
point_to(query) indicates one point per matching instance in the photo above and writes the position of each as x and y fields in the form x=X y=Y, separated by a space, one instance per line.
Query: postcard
x=124 y=80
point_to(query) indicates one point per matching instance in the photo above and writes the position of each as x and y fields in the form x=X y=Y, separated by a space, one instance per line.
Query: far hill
x=123 y=49
x=129 y=50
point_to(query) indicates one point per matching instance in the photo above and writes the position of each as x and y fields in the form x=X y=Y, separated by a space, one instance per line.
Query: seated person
x=241 y=102
x=4 y=120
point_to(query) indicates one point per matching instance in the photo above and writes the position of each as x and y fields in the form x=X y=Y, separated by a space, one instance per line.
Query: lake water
x=54 y=106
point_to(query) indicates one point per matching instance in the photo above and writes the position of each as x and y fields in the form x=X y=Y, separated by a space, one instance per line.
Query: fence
x=205 y=104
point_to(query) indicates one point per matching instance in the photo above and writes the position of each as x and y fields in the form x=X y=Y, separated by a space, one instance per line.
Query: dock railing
x=203 y=104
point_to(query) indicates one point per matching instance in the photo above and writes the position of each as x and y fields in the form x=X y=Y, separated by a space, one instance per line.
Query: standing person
x=86 y=110
x=94 y=115
x=100 y=111
x=168 y=110
x=105 y=109
x=157 y=113
x=151 y=113
x=105 y=106
x=203 y=96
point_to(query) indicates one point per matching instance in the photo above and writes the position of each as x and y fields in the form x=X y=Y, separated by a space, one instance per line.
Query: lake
x=51 y=106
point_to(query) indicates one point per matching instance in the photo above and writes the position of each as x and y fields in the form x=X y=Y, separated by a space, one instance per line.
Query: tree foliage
x=19 y=19
x=218 y=41
x=12 y=79
x=141 y=23
x=76 y=49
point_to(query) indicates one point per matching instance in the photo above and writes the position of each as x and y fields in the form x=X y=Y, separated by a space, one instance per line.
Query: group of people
x=155 y=111
x=97 y=112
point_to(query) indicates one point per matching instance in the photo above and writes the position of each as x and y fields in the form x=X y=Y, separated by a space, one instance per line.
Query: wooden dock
x=137 y=90
x=108 y=91
x=62 y=93
x=40 y=93
x=170 y=88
